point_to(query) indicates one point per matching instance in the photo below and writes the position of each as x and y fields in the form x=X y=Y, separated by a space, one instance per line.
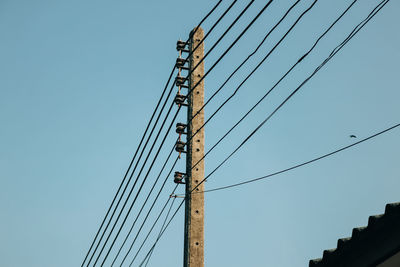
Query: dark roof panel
x=368 y=245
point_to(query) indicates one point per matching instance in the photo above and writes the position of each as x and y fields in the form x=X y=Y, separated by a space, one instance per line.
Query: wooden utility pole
x=194 y=204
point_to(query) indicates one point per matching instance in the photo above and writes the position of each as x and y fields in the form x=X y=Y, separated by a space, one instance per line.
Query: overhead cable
x=275 y=85
x=137 y=193
x=299 y=165
x=139 y=190
x=142 y=151
x=244 y=61
x=337 y=49
x=154 y=224
x=261 y=62
x=151 y=207
x=230 y=46
x=220 y=58
x=219 y=39
x=334 y=52
x=162 y=227
x=191 y=52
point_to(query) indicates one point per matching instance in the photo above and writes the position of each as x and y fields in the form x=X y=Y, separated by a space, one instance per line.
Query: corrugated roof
x=367 y=246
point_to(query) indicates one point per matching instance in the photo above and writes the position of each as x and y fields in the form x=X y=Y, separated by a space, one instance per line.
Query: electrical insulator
x=180 y=128
x=180 y=62
x=180 y=100
x=180 y=147
x=180 y=46
x=178 y=178
x=180 y=81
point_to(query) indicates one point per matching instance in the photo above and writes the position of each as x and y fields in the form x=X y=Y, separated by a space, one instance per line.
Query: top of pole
x=195 y=30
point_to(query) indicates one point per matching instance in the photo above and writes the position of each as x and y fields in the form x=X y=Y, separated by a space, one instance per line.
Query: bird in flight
x=353 y=136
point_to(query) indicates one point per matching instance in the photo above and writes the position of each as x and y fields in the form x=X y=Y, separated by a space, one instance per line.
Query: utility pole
x=194 y=203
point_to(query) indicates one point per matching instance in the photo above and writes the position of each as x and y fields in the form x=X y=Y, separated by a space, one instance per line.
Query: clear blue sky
x=79 y=80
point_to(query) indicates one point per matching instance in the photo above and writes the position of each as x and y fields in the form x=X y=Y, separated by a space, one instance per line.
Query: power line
x=301 y=164
x=148 y=213
x=252 y=72
x=230 y=47
x=244 y=61
x=261 y=62
x=145 y=219
x=289 y=169
x=219 y=39
x=169 y=79
x=138 y=190
x=151 y=207
x=134 y=169
x=161 y=233
x=205 y=17
x=130 y=165
x=162 y=226
x=274 y=46
x=236 y=40
x=337 y=49
x=334 y=52
x=154 y=224
x=212 y=28
x=220 y=58
x=126 y=186
x=287 y=12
